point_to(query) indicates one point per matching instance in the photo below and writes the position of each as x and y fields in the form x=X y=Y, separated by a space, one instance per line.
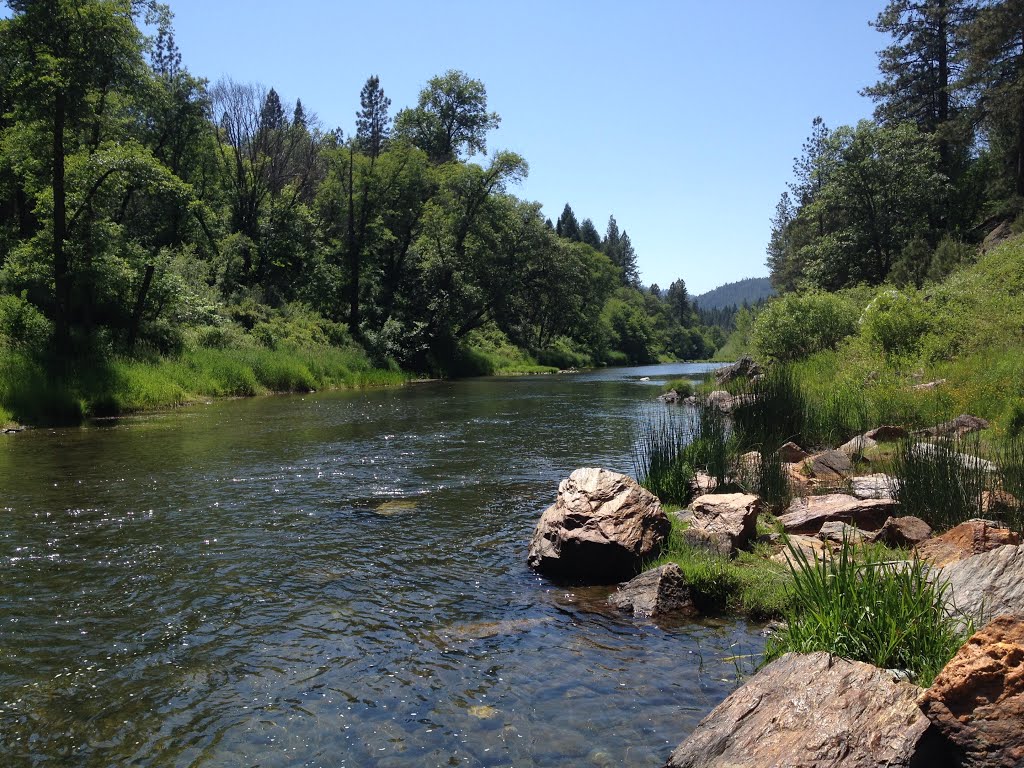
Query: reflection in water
x=335 y=579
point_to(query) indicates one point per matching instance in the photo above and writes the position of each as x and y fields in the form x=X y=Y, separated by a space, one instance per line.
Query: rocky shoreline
x=815 y=709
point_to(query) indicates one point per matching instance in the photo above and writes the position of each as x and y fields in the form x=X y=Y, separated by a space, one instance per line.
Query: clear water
x=336 y=579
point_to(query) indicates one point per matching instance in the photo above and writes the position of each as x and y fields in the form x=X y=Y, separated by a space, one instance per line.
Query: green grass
x=858 y=606
x=30 y=394
x=683 y=386
x=748 y=584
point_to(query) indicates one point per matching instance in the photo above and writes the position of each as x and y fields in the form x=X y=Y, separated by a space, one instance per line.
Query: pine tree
x=567 y=226
x=630 y=272
x=373 y=126
x=299 y=115
x=589 y=234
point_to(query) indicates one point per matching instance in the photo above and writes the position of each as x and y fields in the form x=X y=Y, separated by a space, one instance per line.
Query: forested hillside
x=750 y=290
x=145 y=211
x=902 y=197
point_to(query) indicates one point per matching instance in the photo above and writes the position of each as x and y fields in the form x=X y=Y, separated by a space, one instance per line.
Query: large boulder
x=808 y=514
x=858 y=447
x=797 y=550
x=601 y=529
x=985 y=585
x=727 y=520
x=661 y=591
x=904 y=532
x=977 y=701
x=967 y=539
x=791 y=453
x=812 y=711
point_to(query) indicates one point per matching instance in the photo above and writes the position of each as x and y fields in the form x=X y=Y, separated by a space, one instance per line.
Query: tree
x=567 y=226
x=372 y=121
x=65 y=58
x=589 y=234
x=450 y=118
x=679 y=302
x=996 y=71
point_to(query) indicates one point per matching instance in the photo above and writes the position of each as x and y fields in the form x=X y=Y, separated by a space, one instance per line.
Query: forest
x=906 y=196
x=149 y=215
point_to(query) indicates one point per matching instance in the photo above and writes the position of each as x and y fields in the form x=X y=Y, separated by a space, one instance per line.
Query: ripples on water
x=332 y=580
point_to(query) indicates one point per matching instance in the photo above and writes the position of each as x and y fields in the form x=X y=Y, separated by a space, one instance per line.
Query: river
x=335 y=579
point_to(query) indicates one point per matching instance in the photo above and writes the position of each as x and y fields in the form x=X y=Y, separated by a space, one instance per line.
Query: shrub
x=860 y=606
x=800 y=324
x=895 y=322
x=22 y=326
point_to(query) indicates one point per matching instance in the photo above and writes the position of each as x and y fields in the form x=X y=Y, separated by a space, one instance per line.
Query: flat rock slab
x=969 y=462
x=808 y=514
x=876 y=486
x=811 y=711
x=977 y=701
x=991 y=583
x=600 y=530
x=965 y=540
x=658 y=592
x=958 y=427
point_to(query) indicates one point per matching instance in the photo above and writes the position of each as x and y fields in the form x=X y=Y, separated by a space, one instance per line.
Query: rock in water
x=658 y=592
x=977 y=700
x=600 y=530
x=811 y=711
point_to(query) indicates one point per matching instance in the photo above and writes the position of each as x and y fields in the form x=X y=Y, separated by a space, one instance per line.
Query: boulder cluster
x=813 y=709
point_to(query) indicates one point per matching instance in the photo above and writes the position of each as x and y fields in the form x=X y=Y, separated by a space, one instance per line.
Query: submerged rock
x=977 y=700
x=813 y=711
x=601 y=528
x=660 y=591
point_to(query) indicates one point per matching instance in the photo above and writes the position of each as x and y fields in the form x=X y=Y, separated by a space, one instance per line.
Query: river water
x=335 y=579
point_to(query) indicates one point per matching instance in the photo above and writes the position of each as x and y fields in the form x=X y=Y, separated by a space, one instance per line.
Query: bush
x=895 y=322
x=860 y=606
x=797 y=325
x=22 y=326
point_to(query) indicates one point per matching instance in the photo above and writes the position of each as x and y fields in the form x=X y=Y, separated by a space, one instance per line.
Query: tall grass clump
x=771 y=481
x=1009 y=457
x=773 y=411
x=861 y=607
x=941 y=482
x=668 y=452
x=661 y=462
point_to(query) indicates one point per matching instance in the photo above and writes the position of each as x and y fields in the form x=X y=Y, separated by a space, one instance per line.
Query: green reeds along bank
x=669 y=451
x=945 y=482
x=861 y=606
x=774 y=411
x=113 y=386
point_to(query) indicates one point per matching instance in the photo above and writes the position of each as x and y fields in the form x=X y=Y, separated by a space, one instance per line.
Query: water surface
x=335 y=579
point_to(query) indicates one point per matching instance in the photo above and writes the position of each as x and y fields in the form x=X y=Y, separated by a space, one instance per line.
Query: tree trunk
x=140 y=304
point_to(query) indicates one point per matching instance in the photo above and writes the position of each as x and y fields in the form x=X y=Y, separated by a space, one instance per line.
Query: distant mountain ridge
x=750 y=290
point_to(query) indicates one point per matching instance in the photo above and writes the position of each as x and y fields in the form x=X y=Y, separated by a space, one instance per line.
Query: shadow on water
x=332 y=579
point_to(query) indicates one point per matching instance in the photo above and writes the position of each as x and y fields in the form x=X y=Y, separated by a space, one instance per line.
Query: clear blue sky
x=680 y=118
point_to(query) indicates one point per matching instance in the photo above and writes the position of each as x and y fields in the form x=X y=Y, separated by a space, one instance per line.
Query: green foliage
x=896 y=322
x=747 y=584
x=773 y=412
x=797 y=325
x=22 y=326
x=860 y=606
x=684 y=387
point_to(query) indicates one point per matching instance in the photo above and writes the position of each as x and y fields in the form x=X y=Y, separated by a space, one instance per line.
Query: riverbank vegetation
x=148 y=215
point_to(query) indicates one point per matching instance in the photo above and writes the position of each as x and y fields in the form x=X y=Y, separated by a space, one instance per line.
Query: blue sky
x=680 y=118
